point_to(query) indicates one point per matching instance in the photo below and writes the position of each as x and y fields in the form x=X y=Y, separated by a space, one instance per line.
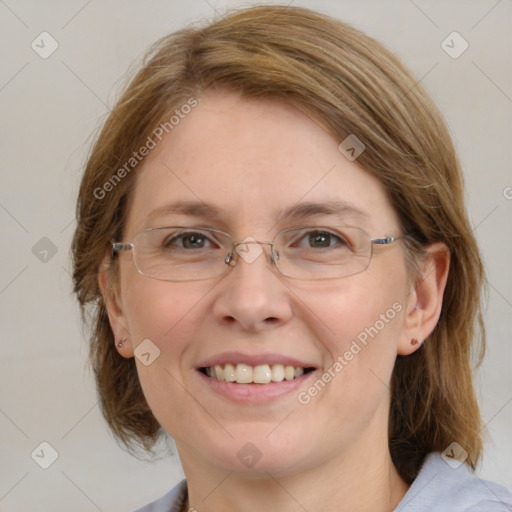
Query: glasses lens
x=181 y=254
x=322 y=252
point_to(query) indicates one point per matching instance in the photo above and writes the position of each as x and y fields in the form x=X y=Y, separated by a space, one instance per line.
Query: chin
x=255 y=456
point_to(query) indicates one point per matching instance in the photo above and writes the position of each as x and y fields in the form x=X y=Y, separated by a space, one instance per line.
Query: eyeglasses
x=180 y=253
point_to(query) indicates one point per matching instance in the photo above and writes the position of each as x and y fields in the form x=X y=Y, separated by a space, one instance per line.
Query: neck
x=361 y=480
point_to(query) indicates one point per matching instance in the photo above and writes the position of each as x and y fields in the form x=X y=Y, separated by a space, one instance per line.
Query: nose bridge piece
x=249 y=250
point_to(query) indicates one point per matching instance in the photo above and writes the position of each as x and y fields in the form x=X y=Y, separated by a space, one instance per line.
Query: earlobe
x=125 y=348
x=114 y=311
x=425 y=299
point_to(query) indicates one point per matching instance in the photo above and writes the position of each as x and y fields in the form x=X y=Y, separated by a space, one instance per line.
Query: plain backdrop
x=51 y=108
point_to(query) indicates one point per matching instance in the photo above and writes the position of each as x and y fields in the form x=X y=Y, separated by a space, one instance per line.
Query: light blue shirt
x=437 y=488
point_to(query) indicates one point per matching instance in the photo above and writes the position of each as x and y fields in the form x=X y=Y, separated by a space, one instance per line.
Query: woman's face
x=252 y=160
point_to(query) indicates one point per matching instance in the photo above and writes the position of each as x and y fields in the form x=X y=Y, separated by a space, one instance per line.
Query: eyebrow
x=190 y=208
x=298 y=211
x=312 y=209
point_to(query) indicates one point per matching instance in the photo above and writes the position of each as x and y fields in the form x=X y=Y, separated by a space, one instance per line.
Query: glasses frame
x=231 y=260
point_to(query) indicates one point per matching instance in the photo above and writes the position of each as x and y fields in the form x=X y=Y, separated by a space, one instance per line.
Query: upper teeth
x=261 y=374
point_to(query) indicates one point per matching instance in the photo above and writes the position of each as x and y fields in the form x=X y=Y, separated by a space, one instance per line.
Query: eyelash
x=167 y=242
x=184 y=235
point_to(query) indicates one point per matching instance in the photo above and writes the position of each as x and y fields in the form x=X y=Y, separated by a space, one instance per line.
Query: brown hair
x=352 y=85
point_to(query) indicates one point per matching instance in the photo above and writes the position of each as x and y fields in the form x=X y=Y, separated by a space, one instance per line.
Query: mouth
x=263 y=374
x=252 y=379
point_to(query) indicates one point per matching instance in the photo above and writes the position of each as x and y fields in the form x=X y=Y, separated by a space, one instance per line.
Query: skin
x=253 y=158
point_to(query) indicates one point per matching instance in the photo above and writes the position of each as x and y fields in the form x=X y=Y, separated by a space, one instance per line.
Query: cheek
x=363 y=320
x=360 y=307
x=162 y=311
x=364 y=316
x=169 y=314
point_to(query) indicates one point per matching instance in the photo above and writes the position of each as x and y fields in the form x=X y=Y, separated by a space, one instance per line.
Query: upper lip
x=254 y=360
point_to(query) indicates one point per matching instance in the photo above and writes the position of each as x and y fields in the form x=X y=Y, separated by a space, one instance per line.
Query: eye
x=322 y=239
x=187 y=240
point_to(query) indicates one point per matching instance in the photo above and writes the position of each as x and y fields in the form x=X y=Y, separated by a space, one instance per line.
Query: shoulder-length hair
x=352 y=85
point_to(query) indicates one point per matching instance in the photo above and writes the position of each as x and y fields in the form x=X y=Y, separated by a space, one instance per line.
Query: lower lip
x=254 y=393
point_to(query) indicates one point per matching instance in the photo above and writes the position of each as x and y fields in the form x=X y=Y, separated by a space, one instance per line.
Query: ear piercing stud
x=414 y=342
x=121 y=343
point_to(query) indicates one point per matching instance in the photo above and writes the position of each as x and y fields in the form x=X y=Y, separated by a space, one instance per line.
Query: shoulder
x=441 y=486
x=170 y=502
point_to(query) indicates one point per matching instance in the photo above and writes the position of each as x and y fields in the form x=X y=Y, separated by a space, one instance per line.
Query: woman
x=273 y=238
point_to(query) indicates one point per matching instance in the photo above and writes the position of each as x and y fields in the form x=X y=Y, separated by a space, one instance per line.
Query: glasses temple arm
x=389 y=239
x=120 y=247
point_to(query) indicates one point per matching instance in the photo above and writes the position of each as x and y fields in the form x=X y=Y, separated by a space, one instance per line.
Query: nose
x=252 y=294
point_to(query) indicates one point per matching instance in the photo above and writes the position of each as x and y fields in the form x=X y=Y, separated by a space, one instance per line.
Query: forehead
x=252 y=163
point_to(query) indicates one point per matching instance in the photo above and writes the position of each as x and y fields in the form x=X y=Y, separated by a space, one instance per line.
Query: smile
x=261 y=374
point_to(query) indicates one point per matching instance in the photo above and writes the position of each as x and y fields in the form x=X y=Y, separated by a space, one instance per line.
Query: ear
x=425 y=300
x=111 y=298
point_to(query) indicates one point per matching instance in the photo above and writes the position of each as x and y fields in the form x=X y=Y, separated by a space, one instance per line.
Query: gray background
x=50 y=109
